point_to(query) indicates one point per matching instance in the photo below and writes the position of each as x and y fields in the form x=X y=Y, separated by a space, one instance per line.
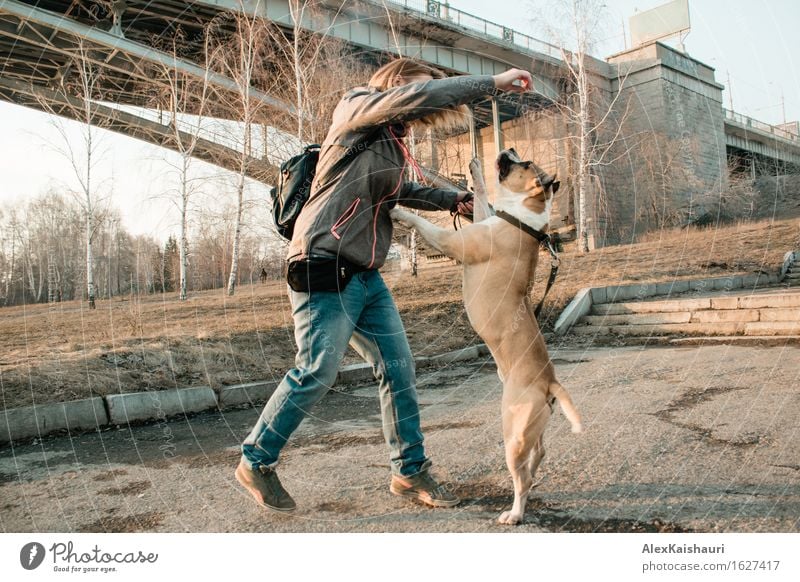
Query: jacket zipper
x=378 y=209
x=346 y=215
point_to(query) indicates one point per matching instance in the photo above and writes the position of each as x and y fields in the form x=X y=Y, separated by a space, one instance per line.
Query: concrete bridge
x=40 y=41
x=756 y=143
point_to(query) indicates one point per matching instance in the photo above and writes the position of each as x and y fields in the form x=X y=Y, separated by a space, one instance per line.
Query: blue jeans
x=364 y=314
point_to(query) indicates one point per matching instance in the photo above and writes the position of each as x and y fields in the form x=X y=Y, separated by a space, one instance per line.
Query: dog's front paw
x=510 y=518
x=402 y=216
x=476 y=169
x=478 y=183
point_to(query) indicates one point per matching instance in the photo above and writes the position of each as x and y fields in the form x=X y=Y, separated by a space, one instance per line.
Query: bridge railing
x=749 y=122
x=446 y=13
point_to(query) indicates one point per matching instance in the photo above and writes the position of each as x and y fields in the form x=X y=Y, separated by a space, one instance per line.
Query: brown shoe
x=264 y=485
x=424 y=488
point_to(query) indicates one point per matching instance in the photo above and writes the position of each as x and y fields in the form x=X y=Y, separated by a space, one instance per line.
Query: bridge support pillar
x=498 y=130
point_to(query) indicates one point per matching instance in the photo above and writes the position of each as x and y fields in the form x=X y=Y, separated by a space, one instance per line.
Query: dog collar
x=542 y=237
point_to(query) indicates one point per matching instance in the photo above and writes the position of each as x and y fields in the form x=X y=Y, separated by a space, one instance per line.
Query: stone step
x=662 y=329
x=637 y=318
x=665 y=306
x=772 y=328
x=740 y=340
x=769 y=300
x=756 y=328
x=785 y=300
x=775 y=314
x=779 y=314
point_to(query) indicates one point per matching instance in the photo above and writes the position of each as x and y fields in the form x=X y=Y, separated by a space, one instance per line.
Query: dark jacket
x=347 y=213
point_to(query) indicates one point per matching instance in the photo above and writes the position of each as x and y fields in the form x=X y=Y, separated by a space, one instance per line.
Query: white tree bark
x=12 y=262
x=183 y=244
x=584 y=137
x=296 y=10
x=237 y=233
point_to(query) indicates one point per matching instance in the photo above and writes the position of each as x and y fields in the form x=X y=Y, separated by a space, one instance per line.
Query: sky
x=754 y=43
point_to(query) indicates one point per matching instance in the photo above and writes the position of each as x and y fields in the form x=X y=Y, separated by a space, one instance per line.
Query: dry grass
x=65 y=351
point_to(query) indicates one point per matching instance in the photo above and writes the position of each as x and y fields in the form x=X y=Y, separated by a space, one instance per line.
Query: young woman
x=341 y=239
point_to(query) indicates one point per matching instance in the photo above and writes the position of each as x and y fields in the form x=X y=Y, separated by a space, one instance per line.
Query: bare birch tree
x=10 y=241
x=79 y=90
x=187 y=100
x=311 y=71
x=242 y=59
x=597 y=120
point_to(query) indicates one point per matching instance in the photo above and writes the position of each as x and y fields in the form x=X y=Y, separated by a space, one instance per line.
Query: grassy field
x=59 y=352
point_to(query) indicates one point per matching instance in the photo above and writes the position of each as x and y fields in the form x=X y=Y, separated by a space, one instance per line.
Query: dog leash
x=544 y=241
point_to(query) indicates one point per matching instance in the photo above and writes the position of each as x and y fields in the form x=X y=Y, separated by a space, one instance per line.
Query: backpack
x=294 y=188
x=294 y=185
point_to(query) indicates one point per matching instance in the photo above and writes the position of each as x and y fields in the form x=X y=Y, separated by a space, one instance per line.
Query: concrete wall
x=672 y=110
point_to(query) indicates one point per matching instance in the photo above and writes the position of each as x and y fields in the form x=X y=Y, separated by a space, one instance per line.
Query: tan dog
x=499 y=262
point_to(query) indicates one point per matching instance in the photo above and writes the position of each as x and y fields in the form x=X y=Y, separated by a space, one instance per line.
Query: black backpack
x=294 y=185
x=294 y=188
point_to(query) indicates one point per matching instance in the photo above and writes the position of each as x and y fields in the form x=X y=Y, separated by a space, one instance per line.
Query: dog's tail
x=567 y=406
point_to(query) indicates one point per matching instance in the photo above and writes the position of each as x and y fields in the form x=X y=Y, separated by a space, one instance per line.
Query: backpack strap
x=351 y=152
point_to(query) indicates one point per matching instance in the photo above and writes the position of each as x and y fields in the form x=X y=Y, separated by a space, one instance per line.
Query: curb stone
x=34 y=421
x=469 y=353
x=95 y=413
x=154 y=405
x=354 y=373
x=246 y=393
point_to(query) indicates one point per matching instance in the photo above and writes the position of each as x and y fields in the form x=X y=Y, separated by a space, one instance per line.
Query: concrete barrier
x=33 y=421
x=469 y=353
x=91 y=413
x=789 y=259
x=580 y=305
x=355 y=373
x=157 y=404
x=250 y=393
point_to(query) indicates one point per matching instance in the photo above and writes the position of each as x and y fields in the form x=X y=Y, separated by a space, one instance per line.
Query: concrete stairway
x=766 y=313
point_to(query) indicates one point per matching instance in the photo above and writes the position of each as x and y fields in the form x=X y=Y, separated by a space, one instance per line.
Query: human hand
x=464 y=204
x=514 y=80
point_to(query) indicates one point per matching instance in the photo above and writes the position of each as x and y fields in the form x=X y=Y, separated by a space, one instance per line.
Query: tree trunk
x=89 y=261
x=10 y=268
x=237 y=231
x=297 y=15
x=412 y=252
x=40 y=286
x=29 y=268
x=183 y=251
x=583 y=156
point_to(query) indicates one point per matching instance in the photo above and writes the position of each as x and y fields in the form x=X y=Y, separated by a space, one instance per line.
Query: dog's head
x=526 y=182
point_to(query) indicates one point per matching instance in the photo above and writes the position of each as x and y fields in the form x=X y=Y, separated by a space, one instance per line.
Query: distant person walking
x=341 y=239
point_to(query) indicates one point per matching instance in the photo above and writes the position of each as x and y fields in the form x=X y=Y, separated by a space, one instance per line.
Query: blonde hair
x=448 y=119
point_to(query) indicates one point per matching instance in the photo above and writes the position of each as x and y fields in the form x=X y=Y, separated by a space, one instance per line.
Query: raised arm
x=369 y=108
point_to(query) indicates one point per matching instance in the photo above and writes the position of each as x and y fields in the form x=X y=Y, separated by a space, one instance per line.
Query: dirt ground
x=700 y=439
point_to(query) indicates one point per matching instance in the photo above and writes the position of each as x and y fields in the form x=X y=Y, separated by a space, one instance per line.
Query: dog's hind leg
x=518 y=459
x=536 y=459
x=523 y=426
